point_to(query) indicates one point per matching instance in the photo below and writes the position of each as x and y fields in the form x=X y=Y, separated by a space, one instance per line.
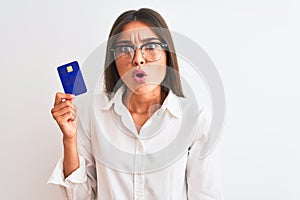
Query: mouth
x=139 y=76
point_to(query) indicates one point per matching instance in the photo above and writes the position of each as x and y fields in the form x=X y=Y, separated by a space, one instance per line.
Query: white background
x=254 y=44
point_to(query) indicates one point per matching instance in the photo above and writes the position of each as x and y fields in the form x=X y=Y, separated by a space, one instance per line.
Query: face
x=142 y=69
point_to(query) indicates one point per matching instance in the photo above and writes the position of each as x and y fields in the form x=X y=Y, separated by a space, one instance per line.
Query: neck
x=144 y=103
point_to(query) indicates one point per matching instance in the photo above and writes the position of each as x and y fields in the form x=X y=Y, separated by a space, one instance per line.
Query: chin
x=145 y=88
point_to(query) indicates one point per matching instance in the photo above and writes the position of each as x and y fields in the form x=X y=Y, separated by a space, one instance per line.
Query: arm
x=203 y=170
x=75 y=172
x=203 y=174
x=64 y=113
x=71 y=157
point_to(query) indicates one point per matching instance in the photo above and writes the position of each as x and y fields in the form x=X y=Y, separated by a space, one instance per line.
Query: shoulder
x=197 y=115
x=192 y=109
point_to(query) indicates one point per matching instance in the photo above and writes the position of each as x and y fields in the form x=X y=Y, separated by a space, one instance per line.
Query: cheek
x=157 y=70
x=163 y=65
x=156 y=73
x=121 y=70
x=163 y=59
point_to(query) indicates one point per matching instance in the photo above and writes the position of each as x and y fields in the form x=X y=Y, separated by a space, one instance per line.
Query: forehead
x=136 y=31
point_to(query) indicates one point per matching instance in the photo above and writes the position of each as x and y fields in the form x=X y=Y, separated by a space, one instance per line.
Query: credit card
x=71 y=78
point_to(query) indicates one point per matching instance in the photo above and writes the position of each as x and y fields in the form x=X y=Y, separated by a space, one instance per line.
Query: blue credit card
x=71 y=78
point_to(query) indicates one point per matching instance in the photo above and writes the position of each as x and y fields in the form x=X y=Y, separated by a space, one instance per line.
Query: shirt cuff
x=78 y=176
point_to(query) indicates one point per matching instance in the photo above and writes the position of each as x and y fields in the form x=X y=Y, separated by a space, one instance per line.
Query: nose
x=138 y=59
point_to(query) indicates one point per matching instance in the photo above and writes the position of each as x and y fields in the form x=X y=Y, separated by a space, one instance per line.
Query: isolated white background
x=254 y=44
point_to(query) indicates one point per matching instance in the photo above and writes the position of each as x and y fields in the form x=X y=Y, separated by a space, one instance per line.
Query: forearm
x=71 y=158
x=204 y=175
x=77 y=181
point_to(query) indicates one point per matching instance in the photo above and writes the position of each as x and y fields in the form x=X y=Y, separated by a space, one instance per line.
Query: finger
x=67 y=103
x=70 y=116
x=65 y=119
x=60 y=97
x=63 y=111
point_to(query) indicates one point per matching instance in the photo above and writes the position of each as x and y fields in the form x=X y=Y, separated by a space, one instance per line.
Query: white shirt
x=161 y=162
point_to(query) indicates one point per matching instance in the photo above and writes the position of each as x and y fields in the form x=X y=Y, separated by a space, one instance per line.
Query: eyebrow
x=144 y=40
x=150 y=39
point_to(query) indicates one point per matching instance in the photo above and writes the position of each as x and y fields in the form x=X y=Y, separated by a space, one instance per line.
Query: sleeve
x=203 y=174
x=82 y=183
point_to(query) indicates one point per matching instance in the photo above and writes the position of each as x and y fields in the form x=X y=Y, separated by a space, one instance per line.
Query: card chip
x=69 y=69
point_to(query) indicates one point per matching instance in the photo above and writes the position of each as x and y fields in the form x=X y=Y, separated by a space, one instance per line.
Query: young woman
x=142 y=139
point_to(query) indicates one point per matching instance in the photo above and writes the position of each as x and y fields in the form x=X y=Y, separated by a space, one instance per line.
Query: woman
x=139 y=142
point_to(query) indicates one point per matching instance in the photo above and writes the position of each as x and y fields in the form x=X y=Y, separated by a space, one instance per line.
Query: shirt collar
x=171 y=103
x=116 y=98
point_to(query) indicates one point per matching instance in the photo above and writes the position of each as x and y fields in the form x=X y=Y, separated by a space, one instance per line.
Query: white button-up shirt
x=161 y=162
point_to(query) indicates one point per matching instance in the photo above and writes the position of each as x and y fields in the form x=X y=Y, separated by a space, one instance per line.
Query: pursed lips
x=139 y=76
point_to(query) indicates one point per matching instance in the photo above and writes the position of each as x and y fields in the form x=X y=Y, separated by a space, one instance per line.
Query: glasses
x=151 y=52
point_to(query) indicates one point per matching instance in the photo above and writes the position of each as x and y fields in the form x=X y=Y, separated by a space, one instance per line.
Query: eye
x=125 y=49
x=151 y=46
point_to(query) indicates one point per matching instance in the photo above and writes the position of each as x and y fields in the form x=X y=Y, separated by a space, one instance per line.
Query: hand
x=64 y=112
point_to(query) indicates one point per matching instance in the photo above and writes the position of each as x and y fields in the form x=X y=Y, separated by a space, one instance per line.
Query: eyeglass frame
x=164 y=46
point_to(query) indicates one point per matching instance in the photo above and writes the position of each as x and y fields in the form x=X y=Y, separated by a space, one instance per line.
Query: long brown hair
x=155 y=21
